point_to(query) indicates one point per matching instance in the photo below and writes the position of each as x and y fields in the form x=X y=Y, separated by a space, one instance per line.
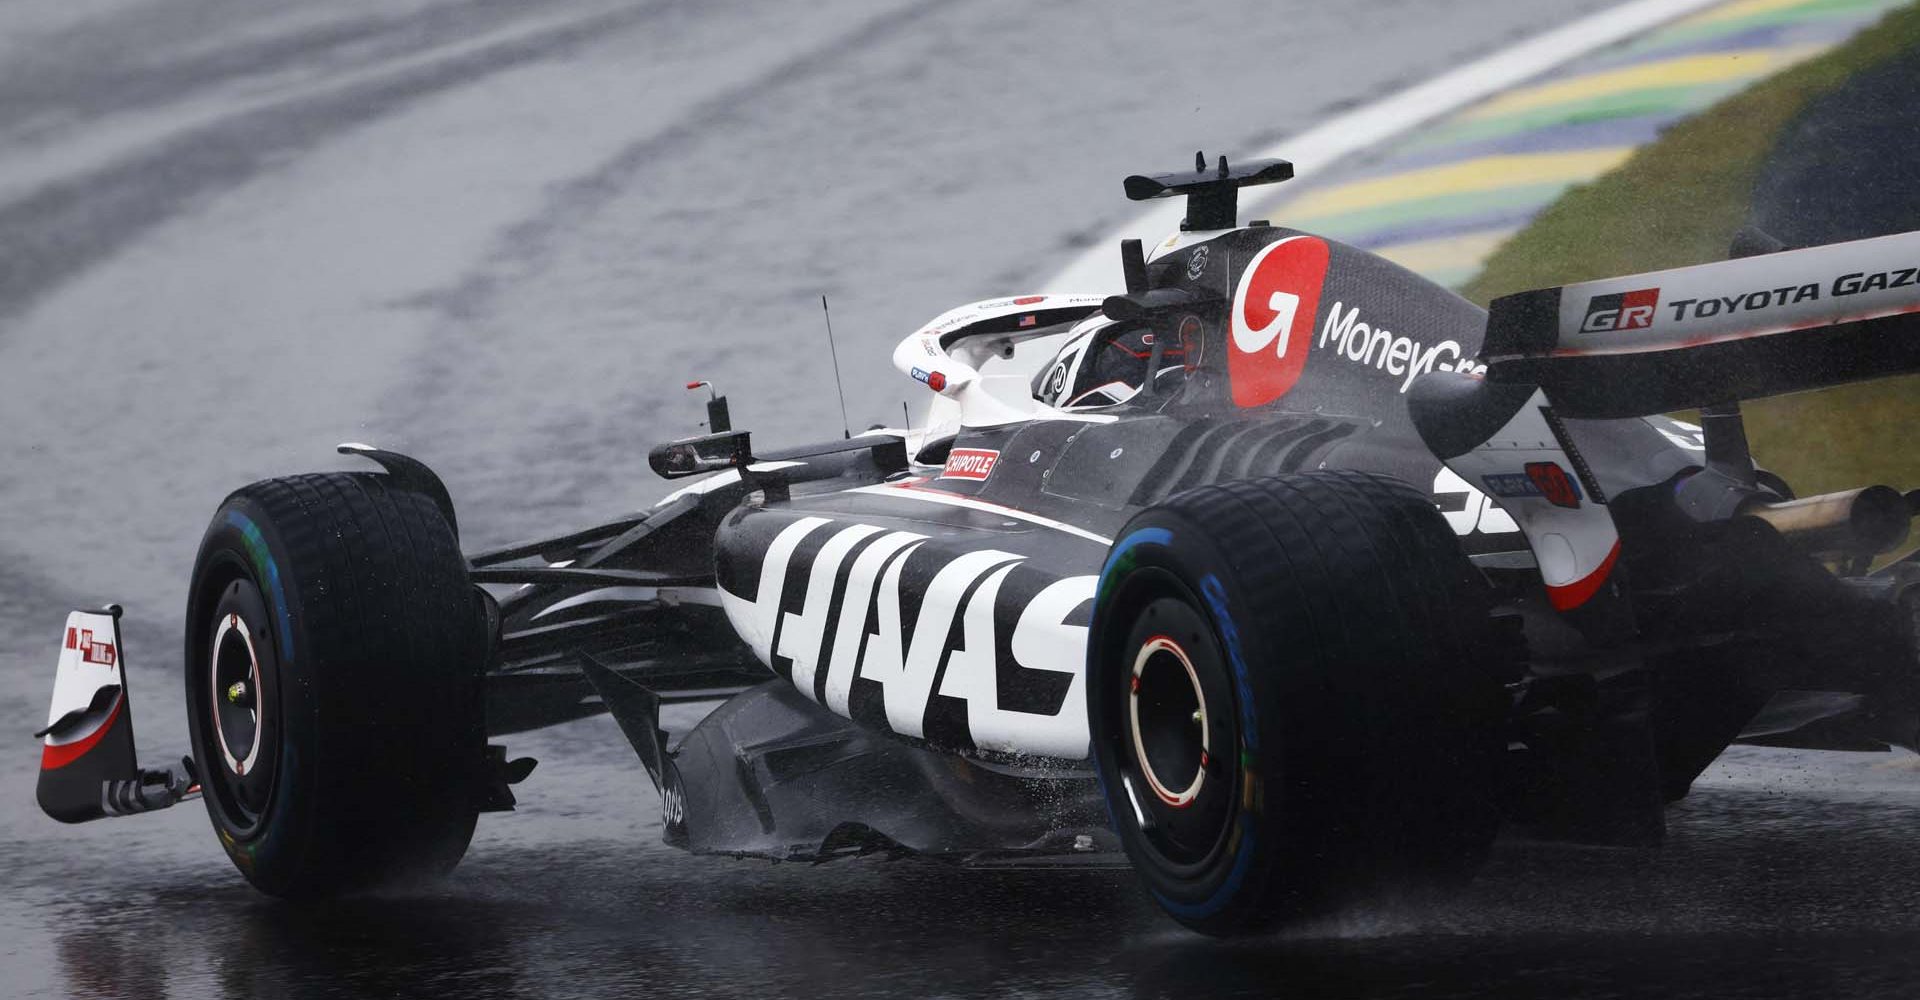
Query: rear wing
x=1695 y=336
x=1773 y=322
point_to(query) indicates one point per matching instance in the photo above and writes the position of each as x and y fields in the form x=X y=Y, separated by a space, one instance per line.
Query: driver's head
x=1103 y=364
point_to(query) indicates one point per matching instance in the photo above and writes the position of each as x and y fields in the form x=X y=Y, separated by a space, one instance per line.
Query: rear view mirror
x=692 y=456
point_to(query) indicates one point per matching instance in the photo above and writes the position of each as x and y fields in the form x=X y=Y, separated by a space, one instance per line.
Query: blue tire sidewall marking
x=1215 y=594
x=269 y=571
x=1157 y=536
x=1144 y=536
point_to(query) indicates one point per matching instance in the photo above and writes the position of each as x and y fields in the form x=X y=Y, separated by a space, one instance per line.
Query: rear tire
x=334 y=655
x=1290 y=698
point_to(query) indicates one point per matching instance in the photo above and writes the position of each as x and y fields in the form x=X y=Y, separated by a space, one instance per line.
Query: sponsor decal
x=1621 y=311
x=1056 y=381
x=1541 y=481
x=996 y=624
x=1860 y=281
x=1272 y=319
x=1559 y=489
x=673 y=804
x=1757 y=296
x=1466 y=509
x=1727 y=305
x=975 y=309
x=974 y=464
x=91 y=650
x=1351 y=338
x=950 y=323
x=1509 y=485
x=1686 y=310
x=934 y=380
x=1197 y=263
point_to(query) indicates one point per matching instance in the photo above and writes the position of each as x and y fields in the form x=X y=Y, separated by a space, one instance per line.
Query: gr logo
x=1621 y=311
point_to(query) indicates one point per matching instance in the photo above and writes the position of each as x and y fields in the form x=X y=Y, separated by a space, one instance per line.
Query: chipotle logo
x=1272 y=319
x=970 y=463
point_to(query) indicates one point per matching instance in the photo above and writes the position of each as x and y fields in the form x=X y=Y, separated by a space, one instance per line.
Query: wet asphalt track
x=499 y=236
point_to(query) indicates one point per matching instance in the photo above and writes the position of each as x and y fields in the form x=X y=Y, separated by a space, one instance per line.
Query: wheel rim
x=1176 y=745
x=239 y=742
x=1167 y=718
x=236 y=696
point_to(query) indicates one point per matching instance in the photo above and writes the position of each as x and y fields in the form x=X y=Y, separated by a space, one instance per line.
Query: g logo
x=1278 y=297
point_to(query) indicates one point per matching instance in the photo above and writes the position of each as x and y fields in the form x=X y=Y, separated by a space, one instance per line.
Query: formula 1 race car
x=1283 y=575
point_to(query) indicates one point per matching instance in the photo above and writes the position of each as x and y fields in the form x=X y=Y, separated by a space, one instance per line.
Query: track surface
x=499 y=236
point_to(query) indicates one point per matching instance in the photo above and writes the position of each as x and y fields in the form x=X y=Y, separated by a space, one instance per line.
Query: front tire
x=334 y=654
x=1290 y=698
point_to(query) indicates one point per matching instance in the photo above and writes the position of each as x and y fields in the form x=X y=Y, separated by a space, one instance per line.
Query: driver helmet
x=1103 y=363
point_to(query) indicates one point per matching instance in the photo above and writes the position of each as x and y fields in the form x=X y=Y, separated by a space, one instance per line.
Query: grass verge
x=1678 y=201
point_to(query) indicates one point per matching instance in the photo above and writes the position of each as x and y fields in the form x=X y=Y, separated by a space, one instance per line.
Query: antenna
x=718 y=422
x=846 y=426
x=906 y=414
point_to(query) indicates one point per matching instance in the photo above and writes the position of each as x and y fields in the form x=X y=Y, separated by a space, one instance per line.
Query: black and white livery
x=1281 y=575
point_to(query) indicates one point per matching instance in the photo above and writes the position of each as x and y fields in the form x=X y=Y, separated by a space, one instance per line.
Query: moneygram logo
x=1349 y=337
x=1621 y=311
x=1272 y=321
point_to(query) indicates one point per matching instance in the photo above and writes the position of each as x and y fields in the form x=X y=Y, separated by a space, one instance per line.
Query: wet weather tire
x=334 y=652
x=1290 y=699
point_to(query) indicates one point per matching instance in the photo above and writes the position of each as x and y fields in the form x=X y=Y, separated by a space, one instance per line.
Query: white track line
x=1318 y=148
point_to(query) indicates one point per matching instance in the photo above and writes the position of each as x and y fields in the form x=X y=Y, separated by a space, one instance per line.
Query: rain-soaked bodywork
x=897 y=624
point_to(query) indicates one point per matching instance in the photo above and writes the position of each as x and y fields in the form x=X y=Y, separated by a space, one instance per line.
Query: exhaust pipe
x=1866 y=521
